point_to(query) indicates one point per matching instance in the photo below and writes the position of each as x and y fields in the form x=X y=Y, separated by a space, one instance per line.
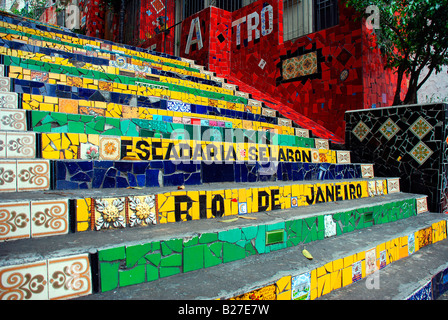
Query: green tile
x=210 y=259
x=173 y=260
x=112 y=254
x=47 y=119
x=60 y=118
x=171 y=246
x=275 y=236
x=168 y=271
x=43 y=128
x=250 y=233
x=152 y=273
x=232 y=252
x=76 y=127
x=132 y=276
x=99 y=124
x=109 y=276
x=191 y=242
x=293 y=228
x=250 y=249
x=193 y=258
x=208 y=237
x=60 y=129
x=231 y=236
x=260 y=240
x=154 y=258
x=37 y=116
x=216 y=249
x=136 y=253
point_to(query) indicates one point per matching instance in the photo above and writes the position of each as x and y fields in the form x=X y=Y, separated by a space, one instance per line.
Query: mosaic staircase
x=124 y=170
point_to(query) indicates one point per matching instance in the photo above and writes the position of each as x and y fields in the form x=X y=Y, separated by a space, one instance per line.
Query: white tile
x=422 y=205
x=9 y=100
x=49 y=218
x=393 y=185
x=20 y=145
x=13 y=119
x=302 y=132
x=8 y=176
x=14 y=220
x=24 y=282
x=69 y=277
x=322 y=144
x=5 y=84
x=367 y=170
x=3 y=145
x=343 y=156
x=33 y=175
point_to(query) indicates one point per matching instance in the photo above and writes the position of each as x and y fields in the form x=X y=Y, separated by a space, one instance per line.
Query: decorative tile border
x=24 y=175
x=52 y=279
x=33 y=219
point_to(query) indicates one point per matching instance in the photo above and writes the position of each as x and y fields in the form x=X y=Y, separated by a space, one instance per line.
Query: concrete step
x=236 y=278
x=420 y=276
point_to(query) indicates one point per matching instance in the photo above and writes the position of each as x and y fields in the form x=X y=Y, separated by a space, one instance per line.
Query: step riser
x=82 y=214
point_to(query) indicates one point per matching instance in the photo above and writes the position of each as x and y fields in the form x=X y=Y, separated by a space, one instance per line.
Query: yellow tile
x=336 y=280
x=348 y=261
x=324 y=285
x=347 y=277
x=360 y=256
x=338 y=264
x=320 y=271
x=283 y=288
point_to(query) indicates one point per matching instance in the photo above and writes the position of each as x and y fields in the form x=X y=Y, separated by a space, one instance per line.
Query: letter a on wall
x=195 y=28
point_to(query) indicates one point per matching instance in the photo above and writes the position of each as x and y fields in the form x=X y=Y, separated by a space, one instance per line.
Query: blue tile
x=109 y=182
x=122 y=182
x=152 y=178
x=176 y=179
x=80 y=177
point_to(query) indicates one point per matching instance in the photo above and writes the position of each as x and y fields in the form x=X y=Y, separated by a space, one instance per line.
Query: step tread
x=400 y=279
x=234 y=278
x=34 y=249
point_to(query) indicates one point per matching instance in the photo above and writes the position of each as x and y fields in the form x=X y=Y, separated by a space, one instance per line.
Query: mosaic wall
x=408 y=142
x=320 y=75
x=207 y=37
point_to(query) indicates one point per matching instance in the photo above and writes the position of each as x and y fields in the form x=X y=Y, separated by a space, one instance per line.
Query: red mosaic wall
x=338 y=72
x=94 y=11
x=153 y=24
